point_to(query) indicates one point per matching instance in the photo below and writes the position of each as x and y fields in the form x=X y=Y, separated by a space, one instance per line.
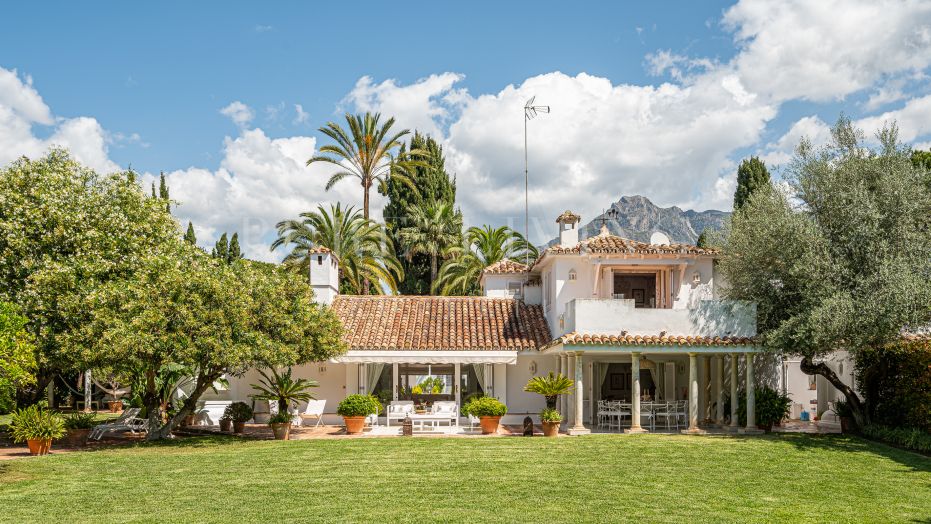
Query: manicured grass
x=789 y=478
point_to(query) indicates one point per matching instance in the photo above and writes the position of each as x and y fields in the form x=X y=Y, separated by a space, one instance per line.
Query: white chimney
x=568 y=229
x=324 y=275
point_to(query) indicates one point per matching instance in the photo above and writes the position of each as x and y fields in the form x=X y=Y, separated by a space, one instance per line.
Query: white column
x=693 y=395
x=570 y=401
x=394 y=381
x=635 y=394
x=719 y=390
x=457 y=383
x=735 y=377
x=751 y=399
x=578 y=428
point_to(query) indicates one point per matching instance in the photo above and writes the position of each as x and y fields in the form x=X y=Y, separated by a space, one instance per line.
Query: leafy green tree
x=703 y=240
x=163 y=192
x=482 y=247
x=842 y=260
x=189 y=235
x=434 y=185
x=432 y=230
x=221 y=249
x=17 y=354
x=65 y=231
x=184 y=307
x=751 y=175
x=234 y=253
x=361 y=246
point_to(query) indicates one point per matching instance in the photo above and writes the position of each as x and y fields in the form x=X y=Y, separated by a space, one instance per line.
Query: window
x=515 y=289
x=547 y=291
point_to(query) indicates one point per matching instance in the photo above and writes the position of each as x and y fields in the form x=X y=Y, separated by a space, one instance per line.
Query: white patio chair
x=398 y=410
x=617 y=412
x=662 y=411
x=445 y=408
x=647 y=412
x=314 y=410
x=127 y=421
x=602 y=413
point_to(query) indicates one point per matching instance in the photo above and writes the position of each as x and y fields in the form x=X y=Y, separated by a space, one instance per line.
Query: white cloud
x=780 y=152
x=913 y=120
x=301 y=117
x=239 y=113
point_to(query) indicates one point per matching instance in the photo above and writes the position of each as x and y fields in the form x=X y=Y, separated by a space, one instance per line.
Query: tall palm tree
x=483 y=246
x=434 y=228
x=367 y=153
x=364 y=251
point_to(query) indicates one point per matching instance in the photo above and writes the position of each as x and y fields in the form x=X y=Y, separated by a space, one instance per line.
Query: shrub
x=282 y=417
x=485 y=407
x=771 y=406
x=908 y=438
x=35 y=423
x=358 y=406
x=895 y=382
x=80 y=421
x=238 y=412
x=550 y=387
x=550 y=415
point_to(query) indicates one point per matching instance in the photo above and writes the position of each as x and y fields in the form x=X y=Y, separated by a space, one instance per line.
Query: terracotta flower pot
x=239 y=427
x=39 y=446
x=489 y=425
x=354 y=425
x=115 y=406
x=282 y=430
x=226 y=425
x=76 y=438
x=550 y=429
x=189 y=420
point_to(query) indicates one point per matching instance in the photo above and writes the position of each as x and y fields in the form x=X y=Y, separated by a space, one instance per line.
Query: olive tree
x=839 y=258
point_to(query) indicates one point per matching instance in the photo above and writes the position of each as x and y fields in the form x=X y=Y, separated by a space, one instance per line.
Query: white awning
x=427 y=357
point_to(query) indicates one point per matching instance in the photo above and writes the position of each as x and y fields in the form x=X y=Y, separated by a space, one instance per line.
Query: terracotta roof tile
x=568 y=216
x=611 y=244
x=440 y=323
x=505 y=266
x=662 y=339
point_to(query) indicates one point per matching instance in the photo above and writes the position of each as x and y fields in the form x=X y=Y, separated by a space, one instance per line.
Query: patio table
x=423 y=418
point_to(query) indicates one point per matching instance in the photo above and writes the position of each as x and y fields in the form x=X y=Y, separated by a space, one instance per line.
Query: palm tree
x=364 y=251
x=482 y=247
x=550 y=387
x=281 y=388
x=434 y=229
x=367 y=153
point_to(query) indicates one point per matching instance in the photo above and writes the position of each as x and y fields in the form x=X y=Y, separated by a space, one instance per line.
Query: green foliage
x=434 y=188
x=433 y=229
x=550 y=415
x=550 y=387
x=431 y=385
x=234 y=253
x=36 y=423
x=703 y=240
x=238 y=412
x=65 y=231
x=357 y=405
x=485 y=407
x=189 y=236
x=482 y=247
x=282 y=389
x=221 y=249
x=751 y=175
x=282 y=417
x=80 y=420
x=896 y=381
x=842 y=260
x=17 y=354
x=361 y=246
x=163 y=192
x=909 y=438
x=771 y=406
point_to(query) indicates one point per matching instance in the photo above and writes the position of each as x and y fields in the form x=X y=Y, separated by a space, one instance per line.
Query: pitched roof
x=505 y=266
x=606 y=244
x=624 y=339
x=440 y=323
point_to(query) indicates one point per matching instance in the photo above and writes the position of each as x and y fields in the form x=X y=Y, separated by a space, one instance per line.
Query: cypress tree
x=163 y=191
x=234 y=252
x=189 y=236
x=433 y=183
x=702 y=241
x=751 y=174
x=222 y=249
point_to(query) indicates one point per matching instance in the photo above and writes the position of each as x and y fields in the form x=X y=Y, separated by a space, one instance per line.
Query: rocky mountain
x=637 y=218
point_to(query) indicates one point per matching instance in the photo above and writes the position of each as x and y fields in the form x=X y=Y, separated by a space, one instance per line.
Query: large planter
x=489 y=425
x=226 y=425
x=282 y=430
x=115 y=406
x=76 y=438
x=550 y=429
x=354 y=425
x=39 y=446
x=239 y=427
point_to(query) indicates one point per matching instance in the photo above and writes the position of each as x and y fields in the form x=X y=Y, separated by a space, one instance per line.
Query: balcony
x=614 y=316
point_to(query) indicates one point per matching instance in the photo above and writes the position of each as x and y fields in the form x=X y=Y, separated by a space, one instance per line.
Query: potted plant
x=489 y=411
x=239 y=413
x=771 y=408
x=283 y=390
x=226 y=423
x=36 y=427
x=550 y=419
x=845 y=414
x=281 y=425
x=78 y=427
x=354 y=409
x=550 y=387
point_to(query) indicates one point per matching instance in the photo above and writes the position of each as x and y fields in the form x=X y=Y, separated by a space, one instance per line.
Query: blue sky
x=661 y=99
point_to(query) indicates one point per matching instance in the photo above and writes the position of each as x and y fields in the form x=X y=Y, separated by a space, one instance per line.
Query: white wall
x=497 y=285
x=709 y=318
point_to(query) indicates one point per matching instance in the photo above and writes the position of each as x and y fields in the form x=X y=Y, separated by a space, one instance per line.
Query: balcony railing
x=615 y=316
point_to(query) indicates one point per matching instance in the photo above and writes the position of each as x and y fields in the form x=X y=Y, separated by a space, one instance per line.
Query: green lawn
x=790 y=478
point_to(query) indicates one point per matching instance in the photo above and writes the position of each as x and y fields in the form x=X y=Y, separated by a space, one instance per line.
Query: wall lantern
x=696 y=278
x=533 y=367
x=573 y=275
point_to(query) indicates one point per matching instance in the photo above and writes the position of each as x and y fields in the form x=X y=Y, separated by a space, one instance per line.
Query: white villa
x=628 y=321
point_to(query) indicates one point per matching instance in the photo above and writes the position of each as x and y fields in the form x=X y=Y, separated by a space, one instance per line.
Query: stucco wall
x=709 y=318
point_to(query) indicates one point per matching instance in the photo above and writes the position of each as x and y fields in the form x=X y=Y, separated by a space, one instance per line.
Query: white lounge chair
x=314 y=410
x=398 y=410
x=446 y=409
x=128 y=421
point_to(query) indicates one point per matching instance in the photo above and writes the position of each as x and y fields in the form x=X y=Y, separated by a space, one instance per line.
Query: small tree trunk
x=860 y=413
x=366 y=185
x=432 y=269
x=35 y=393
x=203 y=382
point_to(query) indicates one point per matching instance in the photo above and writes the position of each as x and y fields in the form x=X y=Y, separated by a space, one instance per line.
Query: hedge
x=895 y=381
x=908 y=438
